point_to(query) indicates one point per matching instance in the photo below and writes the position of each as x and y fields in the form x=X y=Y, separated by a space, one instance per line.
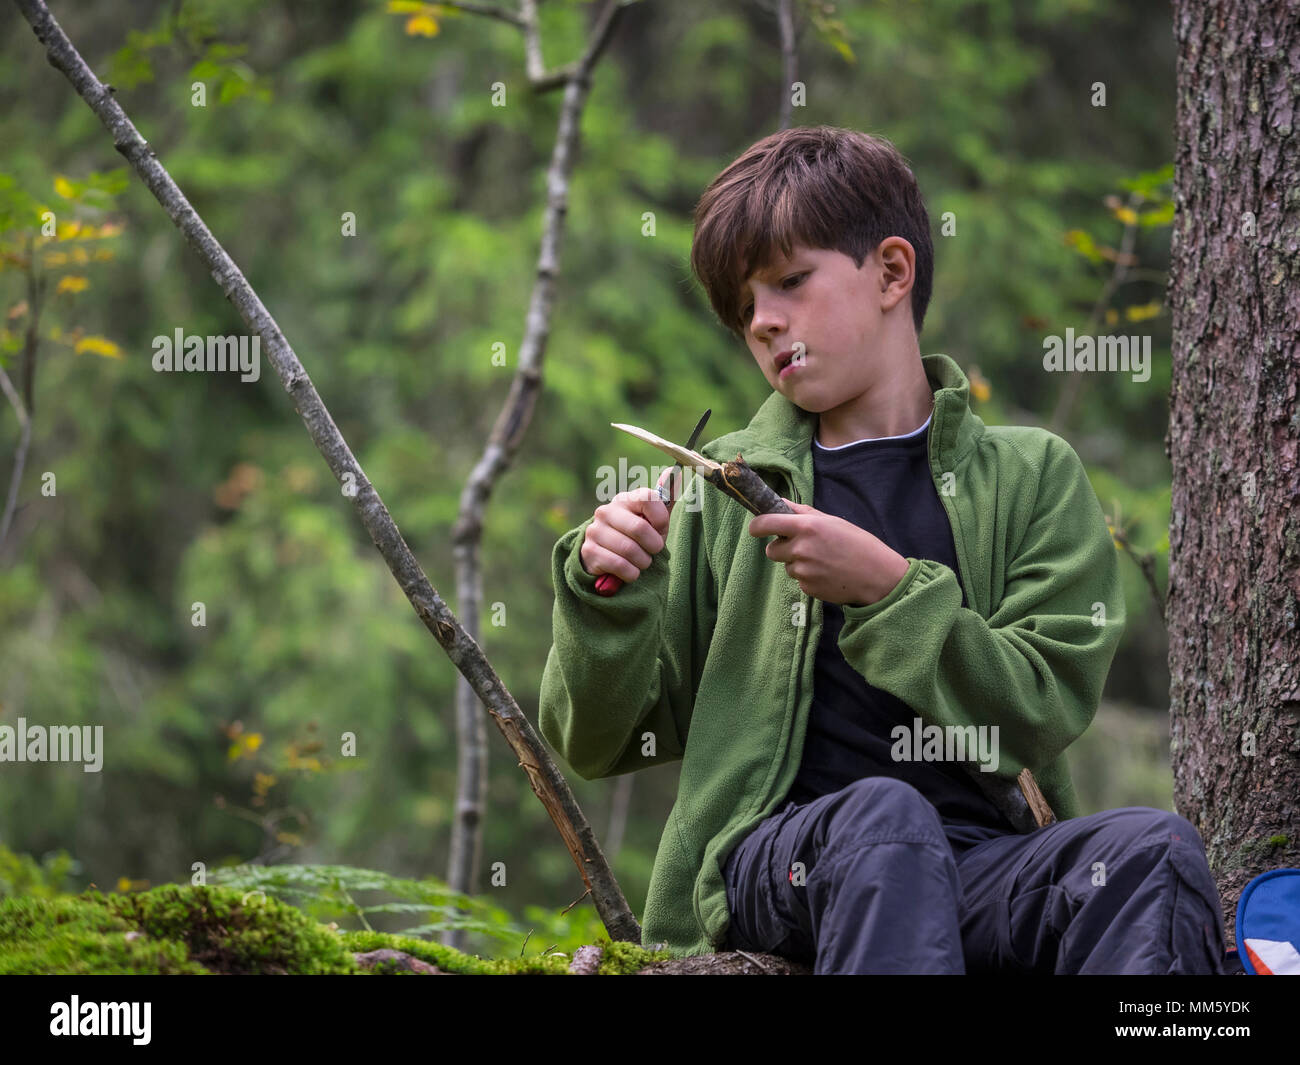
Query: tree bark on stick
x=507 y=434
x=1233 y=607
x=543 y=775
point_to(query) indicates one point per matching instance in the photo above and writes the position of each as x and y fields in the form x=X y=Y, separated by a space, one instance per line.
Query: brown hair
x=820 y=186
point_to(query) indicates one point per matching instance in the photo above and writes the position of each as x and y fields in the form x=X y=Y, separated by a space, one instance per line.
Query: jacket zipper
x=801 y=643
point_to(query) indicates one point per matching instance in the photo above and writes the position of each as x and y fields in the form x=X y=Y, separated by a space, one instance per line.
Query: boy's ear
x=897 y=269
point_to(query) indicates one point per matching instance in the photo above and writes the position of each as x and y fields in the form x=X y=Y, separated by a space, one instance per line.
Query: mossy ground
x=176 y=929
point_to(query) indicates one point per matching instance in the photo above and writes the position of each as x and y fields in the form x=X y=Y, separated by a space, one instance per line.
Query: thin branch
x=619 y=804
x=789 y=61
x=20 y=456
x=543 y=775
x=488 y=10
x=502 y=445
x=756 y=961
x=574 y=903
x=35 y=297
x=1146 y=562
x=542 y=80
x=1074 y=382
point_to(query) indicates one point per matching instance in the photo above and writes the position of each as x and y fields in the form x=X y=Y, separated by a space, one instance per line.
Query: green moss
x=1278 y=841
x=225 y=934
x=454 y=961
x=617 y=958
x=171 y=929
x=621 y=959
x=79 y=937
x=175 y=929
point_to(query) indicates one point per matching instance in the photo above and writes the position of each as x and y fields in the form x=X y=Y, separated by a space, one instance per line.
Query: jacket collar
x=780 y=434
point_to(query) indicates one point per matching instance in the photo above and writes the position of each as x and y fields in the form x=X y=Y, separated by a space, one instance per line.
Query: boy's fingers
x=772 y=525
x=653 y=512
x=625 y=546
x=606 y=561
x=779 y=524
x=642 y=517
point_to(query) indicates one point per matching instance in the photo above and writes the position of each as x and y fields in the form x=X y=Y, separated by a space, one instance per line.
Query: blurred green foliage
x=176 y=490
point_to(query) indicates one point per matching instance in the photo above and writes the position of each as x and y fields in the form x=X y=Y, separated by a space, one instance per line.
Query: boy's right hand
x=628 y=531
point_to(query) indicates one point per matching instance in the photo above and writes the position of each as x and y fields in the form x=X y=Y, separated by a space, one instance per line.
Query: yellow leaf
x=1127 y=215
x=421 y=26
x=72 y=284
x=64 y=188
x=56 y=258
x=253 y=741
x=123 y=884
x=1141 y=312
x=405 y=7
x=67 y=230
x=99 y=346
x=979 y=385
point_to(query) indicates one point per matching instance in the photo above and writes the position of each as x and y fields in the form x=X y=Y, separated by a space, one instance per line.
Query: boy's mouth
x=785 y=363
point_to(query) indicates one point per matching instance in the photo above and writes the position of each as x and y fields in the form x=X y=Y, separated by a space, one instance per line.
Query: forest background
x=222 y=740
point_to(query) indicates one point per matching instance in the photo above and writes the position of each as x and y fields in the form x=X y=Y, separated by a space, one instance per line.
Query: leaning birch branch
x=543 y=775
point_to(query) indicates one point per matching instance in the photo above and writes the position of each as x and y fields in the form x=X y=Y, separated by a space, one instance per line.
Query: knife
x=607 y=583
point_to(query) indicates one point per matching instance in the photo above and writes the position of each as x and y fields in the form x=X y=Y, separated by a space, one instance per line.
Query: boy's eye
x=748 y=309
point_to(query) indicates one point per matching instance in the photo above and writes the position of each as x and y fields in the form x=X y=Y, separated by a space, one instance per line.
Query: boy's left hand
x=832 y=559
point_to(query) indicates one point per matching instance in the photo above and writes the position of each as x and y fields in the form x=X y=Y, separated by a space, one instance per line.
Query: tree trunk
x=1234 y=537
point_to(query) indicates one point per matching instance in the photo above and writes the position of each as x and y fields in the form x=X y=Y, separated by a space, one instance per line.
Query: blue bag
x=1268 y=924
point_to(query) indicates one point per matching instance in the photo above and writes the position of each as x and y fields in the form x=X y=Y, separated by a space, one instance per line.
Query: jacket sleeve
x=631 y=663
x=1037 y=666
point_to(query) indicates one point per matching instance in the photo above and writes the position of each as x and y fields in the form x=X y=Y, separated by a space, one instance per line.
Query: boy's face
x=819 y=303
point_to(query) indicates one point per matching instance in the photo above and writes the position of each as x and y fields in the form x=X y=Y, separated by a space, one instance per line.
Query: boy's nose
x=766 y=320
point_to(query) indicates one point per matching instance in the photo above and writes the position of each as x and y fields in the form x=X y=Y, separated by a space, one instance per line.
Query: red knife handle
x=607 y=584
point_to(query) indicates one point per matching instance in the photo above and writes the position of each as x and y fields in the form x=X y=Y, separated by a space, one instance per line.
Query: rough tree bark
x=1234 y=429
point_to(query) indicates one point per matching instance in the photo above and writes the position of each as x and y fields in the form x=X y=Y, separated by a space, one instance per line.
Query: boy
x=936 y=572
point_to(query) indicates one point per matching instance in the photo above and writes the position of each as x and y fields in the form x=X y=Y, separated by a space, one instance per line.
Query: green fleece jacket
x=708 y=655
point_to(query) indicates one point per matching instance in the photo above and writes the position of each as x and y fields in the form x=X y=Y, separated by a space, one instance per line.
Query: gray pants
x=869 y=880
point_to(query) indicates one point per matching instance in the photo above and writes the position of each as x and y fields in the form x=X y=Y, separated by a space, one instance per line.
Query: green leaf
x=1083 y=243
x=1150 y=180
x=204 y=69
x=1161 y=216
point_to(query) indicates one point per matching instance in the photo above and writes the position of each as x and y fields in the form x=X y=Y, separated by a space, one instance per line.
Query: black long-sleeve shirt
x=883 y=485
